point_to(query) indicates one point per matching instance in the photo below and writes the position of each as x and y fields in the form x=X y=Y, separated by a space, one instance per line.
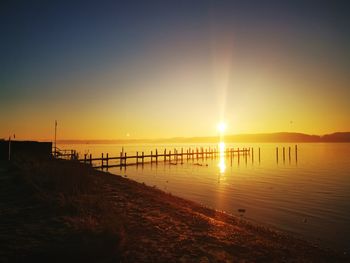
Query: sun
x=221 y=127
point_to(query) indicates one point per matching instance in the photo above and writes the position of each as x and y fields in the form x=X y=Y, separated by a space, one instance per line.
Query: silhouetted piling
x=277 y=154
x=289 y=154
x=121 y=160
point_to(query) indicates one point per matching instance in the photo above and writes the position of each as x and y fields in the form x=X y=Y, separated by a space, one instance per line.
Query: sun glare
x=221 y=127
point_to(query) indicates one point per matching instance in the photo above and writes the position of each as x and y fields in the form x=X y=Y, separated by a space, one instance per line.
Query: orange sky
x=258 y=73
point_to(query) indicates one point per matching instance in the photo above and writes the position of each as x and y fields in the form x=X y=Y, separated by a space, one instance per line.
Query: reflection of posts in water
x=238 y=155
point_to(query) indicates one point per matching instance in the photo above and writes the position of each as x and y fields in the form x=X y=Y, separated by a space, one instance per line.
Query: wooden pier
x=177 y=156
x=172 y=157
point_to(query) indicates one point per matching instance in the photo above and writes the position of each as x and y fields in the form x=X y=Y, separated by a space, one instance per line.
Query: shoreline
x=124 y=220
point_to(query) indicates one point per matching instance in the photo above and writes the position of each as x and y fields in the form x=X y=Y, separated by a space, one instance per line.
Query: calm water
x=309 y=197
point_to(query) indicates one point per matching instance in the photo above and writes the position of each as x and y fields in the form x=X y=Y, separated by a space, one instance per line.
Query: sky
x=159 y=69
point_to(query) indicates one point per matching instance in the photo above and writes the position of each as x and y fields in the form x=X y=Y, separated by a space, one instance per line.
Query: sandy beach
x=66 y=211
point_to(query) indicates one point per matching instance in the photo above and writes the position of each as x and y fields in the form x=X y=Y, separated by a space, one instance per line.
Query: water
x=309 y=197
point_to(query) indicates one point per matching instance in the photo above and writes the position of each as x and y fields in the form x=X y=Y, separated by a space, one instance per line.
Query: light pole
x=10 y=148
x=14 y=136
x=55 y=152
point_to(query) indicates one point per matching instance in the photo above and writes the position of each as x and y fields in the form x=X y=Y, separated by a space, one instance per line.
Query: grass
x=74 y=217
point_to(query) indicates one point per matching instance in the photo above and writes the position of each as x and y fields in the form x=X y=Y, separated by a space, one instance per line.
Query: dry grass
x=71 y=206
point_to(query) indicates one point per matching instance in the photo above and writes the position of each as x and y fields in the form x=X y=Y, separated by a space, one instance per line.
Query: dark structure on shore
x=24 y=149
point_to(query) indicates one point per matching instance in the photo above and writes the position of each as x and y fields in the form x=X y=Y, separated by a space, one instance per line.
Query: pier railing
x=64 y=154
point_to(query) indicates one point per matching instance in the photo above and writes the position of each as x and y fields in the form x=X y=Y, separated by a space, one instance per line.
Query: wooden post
x=252 y=155
x=259 y=154
x=182 y=155
x=296 y=153
x=107 y=160
x=102 y=160
x=121 y=160
x=284 y=155
x=197 y=152
x=151 y=156
x=277 y=154
x=169 y=157
x=143 y=158
x=90 y=159
x=137 y=158
x=164 y=155
x=289 y=153
x=85 y=158
x=125 y=159
x=156 y=156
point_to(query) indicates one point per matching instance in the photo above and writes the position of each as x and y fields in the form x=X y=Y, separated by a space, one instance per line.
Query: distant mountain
x=259 y=137
x=274 y=137
x=336 y=137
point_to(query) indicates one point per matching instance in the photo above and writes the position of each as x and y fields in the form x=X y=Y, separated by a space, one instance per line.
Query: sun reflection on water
x=222 y=164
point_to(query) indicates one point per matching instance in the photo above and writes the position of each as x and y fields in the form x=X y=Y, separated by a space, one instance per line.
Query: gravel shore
x=65 y=211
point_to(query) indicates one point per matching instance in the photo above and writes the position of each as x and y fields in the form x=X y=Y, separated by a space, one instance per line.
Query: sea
x=306 y=193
